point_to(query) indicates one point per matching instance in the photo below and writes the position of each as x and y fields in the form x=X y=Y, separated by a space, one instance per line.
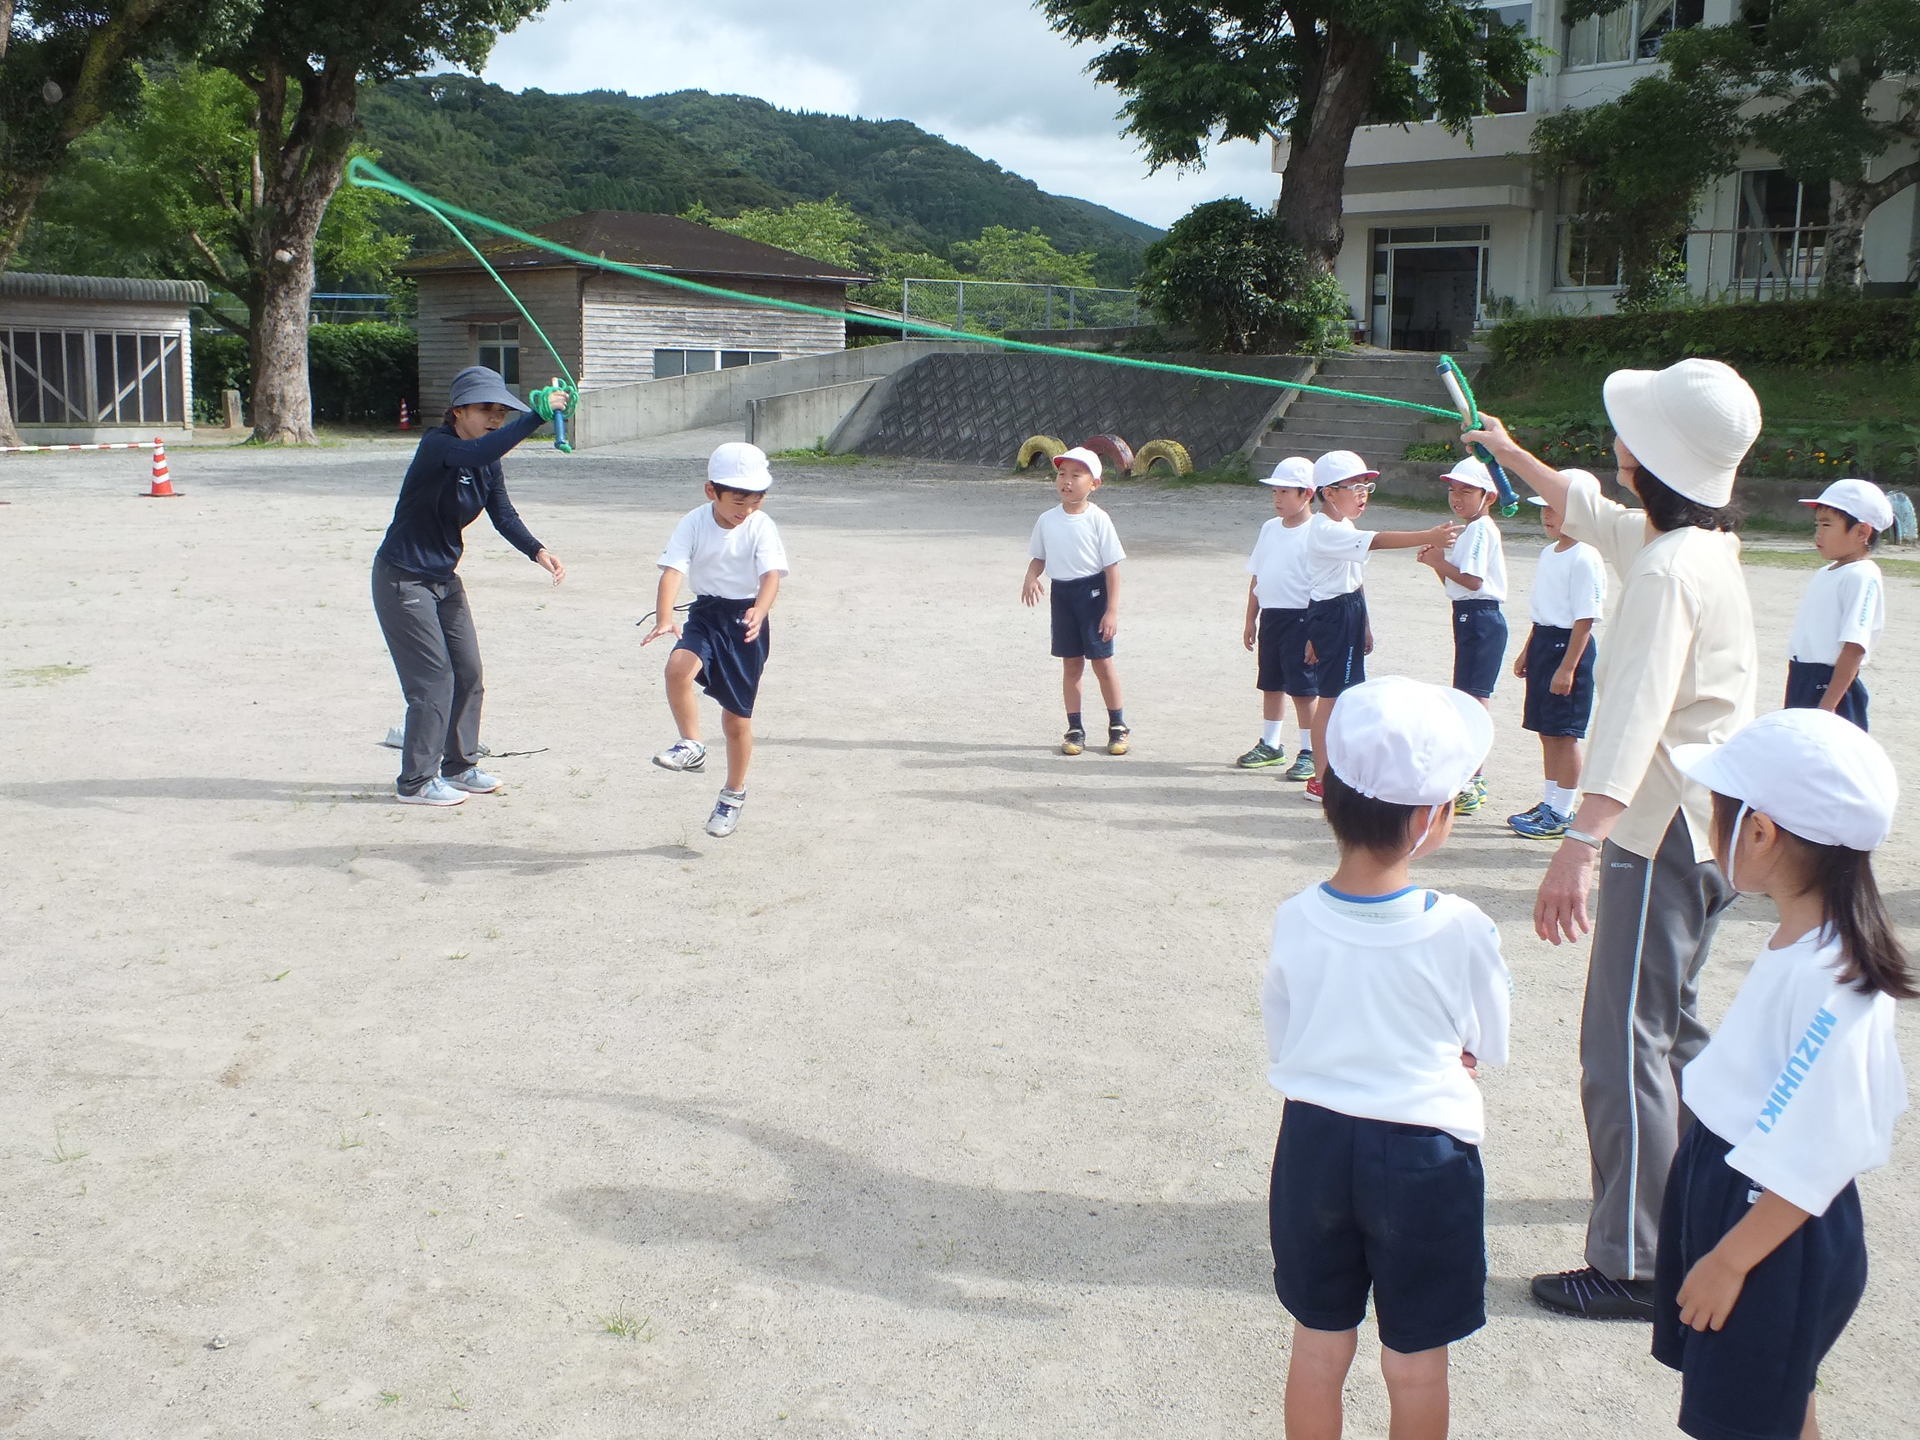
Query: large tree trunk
x=1333 y=103
x=298 y=177
x=1850 y=203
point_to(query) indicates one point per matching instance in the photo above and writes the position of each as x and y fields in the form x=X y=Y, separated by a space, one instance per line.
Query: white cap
x=739 y=466
x=1862 y=499
x=1691 y=424
x=1810 y=772
x=1337 y=465
x=1407 y=742
x=1085 y=456
x=1469 y=471
x=1295 y=472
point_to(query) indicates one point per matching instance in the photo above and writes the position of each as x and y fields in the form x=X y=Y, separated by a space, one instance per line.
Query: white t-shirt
x=1338 y=553
x=1282 y=566
x=1075 y=546
x=1369 y=1020
x=1803 y=1078
x=1568 y=585
x=1844 y=605
x=726 y=563
x=1478 y=551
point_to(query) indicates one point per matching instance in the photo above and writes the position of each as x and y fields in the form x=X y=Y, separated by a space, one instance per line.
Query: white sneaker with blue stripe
x=726 y=813
x=683 y=754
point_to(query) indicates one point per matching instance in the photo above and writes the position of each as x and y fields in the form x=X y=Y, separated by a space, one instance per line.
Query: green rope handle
x=362 y=172
x=1456 y=381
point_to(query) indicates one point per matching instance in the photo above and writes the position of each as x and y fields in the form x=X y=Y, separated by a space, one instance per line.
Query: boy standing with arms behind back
x=1075 y=546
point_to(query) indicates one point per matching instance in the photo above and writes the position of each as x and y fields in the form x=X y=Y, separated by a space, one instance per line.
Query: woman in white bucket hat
x=1679 y=670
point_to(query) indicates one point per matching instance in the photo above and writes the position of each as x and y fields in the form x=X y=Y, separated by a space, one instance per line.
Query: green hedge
x=1784 y=332
x=357 y=372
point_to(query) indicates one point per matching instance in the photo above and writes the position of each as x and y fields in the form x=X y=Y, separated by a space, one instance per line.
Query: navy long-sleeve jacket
x=447 y=486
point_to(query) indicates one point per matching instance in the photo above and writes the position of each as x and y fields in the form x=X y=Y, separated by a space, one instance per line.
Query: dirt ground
x=930 y=1103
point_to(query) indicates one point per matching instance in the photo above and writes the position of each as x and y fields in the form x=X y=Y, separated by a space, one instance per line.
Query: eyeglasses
x=1358 y=487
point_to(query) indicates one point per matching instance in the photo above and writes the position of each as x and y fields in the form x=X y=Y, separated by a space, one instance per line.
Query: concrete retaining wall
x=721 y=397
x=803 y=419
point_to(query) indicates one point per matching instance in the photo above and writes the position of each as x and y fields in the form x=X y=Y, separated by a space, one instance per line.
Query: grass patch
x=624 y=1326
x=1231 y=471
x=1809 y=559
x=45 y=674
x=819 y=455
x=1849 y=394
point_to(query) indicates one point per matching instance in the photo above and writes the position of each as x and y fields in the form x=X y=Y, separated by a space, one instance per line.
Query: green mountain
x=533 y=157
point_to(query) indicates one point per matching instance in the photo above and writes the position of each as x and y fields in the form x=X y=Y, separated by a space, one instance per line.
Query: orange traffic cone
x=162 y=480
x=406 y=421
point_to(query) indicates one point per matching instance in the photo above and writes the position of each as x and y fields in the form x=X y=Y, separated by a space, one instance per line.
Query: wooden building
x=94 y=358
x=616 y=329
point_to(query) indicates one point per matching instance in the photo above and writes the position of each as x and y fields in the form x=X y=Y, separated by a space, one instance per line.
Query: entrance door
x=1435 y=295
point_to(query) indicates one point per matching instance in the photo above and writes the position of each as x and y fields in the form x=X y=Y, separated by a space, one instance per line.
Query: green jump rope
x=367 y=175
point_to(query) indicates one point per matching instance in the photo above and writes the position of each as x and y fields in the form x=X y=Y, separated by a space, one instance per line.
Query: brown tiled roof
x=659 y=242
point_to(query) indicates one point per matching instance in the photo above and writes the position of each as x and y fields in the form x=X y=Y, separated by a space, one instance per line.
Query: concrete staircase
x=1314 y=424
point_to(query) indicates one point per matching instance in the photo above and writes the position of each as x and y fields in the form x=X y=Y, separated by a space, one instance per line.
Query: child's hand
x=752 y=620
x=1109 y=623
x=665 y=627
x=1710 y=1291
x=1369 y=648
x=1444 y=534
x=1562 y=683
x=1470 y=1062
x=1032 y=591
x=1251 y=634
x=1520 y=664
x=1430 y=556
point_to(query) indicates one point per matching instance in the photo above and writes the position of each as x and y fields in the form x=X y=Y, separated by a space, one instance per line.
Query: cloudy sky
x=986 y=74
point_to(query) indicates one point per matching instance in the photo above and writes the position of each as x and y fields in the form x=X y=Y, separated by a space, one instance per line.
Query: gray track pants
x=430 y=632
x=1653 y=927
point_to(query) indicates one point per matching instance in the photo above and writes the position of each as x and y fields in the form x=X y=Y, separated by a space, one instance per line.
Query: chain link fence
x=994 y=307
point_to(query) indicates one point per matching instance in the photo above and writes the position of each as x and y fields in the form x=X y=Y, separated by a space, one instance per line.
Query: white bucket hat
x=1469 y=471
x=1810 y=772
x=1294 y=473
x=1691 y=424
x=1338 y=465
x=1862 y=499
x=739 y=466
x=1407 y=742
x=1085 y=456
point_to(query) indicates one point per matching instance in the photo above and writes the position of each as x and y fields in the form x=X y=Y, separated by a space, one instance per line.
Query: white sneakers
x=683 y=754
x=726 y=813
x=451 y=789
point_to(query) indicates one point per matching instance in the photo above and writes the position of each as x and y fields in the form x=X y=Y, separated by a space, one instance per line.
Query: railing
x=997 y=306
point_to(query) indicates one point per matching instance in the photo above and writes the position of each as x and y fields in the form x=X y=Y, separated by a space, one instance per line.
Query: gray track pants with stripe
x=1653 y=927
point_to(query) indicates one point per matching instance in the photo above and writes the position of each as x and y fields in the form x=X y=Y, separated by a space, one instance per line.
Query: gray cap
x=477 y=385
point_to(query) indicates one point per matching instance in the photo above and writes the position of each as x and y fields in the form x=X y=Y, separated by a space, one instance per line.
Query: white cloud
x=988 y=75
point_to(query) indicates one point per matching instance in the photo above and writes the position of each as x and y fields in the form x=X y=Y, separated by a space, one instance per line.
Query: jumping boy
x=1569 y=596
x=1473 y=573
x=1277 y=598
x=1844 y=609
x=1381 y=1000
x=1075 y=546
x=1339 y=639
x=730 y=553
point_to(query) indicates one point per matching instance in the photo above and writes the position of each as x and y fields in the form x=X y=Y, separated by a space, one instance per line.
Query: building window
x=669 y=363
x=499 y=349
x=95 y=377
x=1584 y=264
x=1633 y=31
x=1780 y=240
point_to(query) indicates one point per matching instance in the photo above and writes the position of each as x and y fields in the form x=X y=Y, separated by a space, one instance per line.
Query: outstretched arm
x=1545 y=481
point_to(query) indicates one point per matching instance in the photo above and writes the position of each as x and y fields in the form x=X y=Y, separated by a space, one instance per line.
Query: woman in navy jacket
x=421 y=604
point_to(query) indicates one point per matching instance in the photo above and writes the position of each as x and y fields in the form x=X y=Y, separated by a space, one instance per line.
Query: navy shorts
x=1807 y=686
x=714 y=631
x=1751 y=1379
x=1479 y=646
x=1283 y=653
x=1546 y=713
x=1400 y=1210
x=1078 y=608
x=1337 y=626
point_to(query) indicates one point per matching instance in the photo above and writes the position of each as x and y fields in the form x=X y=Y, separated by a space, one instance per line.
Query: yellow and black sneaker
x=1073 y=742
x=1117 y=739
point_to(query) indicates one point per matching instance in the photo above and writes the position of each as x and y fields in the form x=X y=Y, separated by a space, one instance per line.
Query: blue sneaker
x=474 y=781
x=1533 y=814
x=1302 y=768
x=435 y=792
x=1545 y=823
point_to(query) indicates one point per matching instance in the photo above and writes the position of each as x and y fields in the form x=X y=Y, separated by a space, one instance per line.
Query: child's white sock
x=1306 y=741
x=1270 y=733
x=1561 y=797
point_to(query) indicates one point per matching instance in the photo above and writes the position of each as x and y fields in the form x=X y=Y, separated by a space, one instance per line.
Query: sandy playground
x=930 y=1103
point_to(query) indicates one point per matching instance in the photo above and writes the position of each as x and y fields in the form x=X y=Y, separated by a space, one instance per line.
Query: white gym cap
x=1691 y=424
x=1407 y=742
x=739 y=466
x=1295 y=473
x=1085 y=456
x=1337 y=465
x=1862 y=499
x=1810 y=772
x=1469 y=471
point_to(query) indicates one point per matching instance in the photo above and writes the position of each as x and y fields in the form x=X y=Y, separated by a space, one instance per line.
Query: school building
x=615 y=329
x=1444 y=235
